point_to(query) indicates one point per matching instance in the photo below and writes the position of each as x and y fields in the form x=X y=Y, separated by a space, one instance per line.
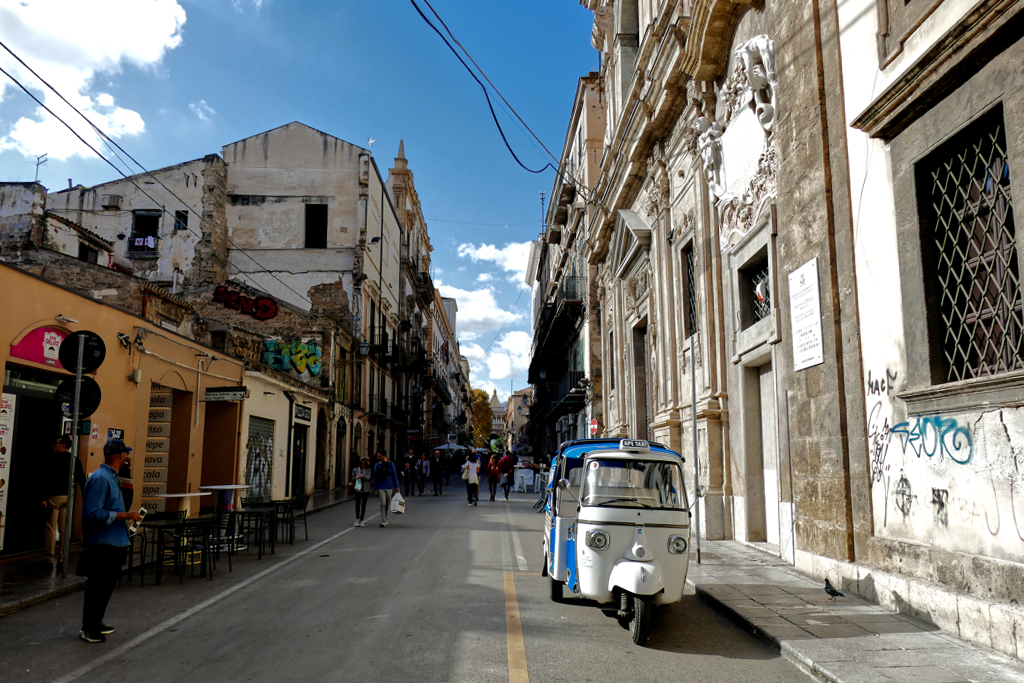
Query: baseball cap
x=115 y=446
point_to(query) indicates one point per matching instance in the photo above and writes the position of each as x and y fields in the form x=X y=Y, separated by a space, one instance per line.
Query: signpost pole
x=69 y=517
x=696 y=459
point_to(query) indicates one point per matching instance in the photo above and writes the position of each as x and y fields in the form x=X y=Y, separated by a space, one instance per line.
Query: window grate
x=691 y=294
x=974 y=267
x=762 y=293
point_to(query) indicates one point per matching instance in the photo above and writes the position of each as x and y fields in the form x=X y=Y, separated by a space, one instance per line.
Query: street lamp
x=364 y=349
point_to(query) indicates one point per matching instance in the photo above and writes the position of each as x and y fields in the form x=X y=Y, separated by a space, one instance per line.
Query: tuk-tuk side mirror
x=563 y=484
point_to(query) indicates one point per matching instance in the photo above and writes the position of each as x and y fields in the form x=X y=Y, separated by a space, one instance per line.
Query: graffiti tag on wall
x=294 y=356
x=260 y=307
x=935 y=435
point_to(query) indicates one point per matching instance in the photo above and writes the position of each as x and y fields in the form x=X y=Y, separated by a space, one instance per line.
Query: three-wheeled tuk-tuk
x=617 y=527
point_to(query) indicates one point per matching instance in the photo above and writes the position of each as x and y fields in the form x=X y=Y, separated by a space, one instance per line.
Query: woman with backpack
x=471 y=475
x=362 y=480
x=493 y=475
x=385 y=482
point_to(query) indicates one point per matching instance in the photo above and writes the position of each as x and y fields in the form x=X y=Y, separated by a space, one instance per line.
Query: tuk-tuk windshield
x=633 y=484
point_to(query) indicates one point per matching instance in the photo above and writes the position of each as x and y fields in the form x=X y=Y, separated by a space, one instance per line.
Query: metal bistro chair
x=226 y=532
x=259 y=520
x=140 y=536
x=154 y=541
x=286 y=512
x=194 y=538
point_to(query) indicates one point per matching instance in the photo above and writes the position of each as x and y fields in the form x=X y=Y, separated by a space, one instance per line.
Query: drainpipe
x=288 y=452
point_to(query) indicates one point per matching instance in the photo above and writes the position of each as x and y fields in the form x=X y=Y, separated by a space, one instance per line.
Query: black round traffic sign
x=88 y=400
x=92 y=355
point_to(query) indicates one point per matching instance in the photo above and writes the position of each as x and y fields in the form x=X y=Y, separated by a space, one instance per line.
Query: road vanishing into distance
x=447 y=592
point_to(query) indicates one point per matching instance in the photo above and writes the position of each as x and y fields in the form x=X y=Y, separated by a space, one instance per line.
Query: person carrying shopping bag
x=385 y=482
x=471 y=475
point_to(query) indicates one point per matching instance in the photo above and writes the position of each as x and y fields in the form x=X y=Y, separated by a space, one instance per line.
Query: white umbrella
x=451 y=447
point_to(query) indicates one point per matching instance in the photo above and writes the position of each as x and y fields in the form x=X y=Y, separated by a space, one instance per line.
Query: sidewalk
x=30 y=581
x=846 y=641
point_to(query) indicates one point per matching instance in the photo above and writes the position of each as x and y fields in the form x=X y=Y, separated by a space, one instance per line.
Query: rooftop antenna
x=542 y=224
x=40 y=160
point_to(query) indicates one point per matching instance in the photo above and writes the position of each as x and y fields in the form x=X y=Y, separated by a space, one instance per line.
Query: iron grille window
x=968 y=240
x=692 y=326
x=142 y=243
x=762 y=294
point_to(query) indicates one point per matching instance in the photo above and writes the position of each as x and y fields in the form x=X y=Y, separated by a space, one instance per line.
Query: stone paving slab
x=848 y=640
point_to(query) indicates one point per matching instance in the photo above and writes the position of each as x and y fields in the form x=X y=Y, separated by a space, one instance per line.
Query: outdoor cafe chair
x=194 y=537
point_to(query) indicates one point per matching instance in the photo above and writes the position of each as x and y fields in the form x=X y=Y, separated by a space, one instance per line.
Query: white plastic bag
x=397 y=504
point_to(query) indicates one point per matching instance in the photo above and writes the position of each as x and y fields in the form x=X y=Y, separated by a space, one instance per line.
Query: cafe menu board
x=805 y=316
x=7 y=402
x=157 y=452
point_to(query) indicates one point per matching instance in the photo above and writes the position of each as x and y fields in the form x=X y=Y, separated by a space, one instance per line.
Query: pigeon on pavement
x=832 y=592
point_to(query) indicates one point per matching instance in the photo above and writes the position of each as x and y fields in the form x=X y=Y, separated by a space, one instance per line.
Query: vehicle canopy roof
x=572 y=453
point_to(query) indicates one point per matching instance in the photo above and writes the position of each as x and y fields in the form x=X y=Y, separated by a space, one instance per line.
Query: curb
x=19 y=605
x=785 y=648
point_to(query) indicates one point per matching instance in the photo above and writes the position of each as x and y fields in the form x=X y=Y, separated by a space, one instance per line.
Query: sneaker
x=474 y=503
x=362 y=523
x=384 y=524
x=106 y=630
x=357 y=523
x=92 y=636
x=470 y=504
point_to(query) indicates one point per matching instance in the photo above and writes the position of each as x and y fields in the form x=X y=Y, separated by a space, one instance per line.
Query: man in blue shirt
x=106 y=540
x=385 y=482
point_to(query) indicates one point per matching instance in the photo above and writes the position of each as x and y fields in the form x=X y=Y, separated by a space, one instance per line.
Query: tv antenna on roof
x=40 y=160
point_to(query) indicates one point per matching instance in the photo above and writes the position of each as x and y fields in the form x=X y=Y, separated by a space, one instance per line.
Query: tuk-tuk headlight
x=598 y=540
x=676 y=545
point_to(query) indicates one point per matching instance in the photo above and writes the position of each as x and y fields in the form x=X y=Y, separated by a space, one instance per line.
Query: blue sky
x=174 y=80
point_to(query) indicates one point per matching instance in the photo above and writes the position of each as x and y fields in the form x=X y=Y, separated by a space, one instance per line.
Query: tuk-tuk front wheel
x=556 y=589
x=640 y=620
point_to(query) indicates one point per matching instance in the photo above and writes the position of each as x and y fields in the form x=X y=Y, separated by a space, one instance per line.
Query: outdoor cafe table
x=159 y=526
x=225 y=494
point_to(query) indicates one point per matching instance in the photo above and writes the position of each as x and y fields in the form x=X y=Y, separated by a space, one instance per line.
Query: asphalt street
x=447 y=592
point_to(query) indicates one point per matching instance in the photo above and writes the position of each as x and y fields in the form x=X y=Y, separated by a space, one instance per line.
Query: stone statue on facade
x=757 y=58
x=709 y=144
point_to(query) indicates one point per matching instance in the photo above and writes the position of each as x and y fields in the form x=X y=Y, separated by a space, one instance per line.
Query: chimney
x=69 y=183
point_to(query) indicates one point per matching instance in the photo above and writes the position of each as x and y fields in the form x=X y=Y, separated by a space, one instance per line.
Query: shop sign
x=412 y=435
x=41 y=345
x=160 y=400
x=158 y=431
x=218 y=394
x=156 y=474
x=157 y=445
x=7 y=402
x=113 y=433
x=157 y=460
x=154 y=489
x=304 y=413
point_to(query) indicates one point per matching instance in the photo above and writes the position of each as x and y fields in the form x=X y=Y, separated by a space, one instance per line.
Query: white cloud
x=484 y=277
x=237 y=4
x=510 y=356
x=202 y=110
x=72 y=44
x=478 y=310
x=513 y=258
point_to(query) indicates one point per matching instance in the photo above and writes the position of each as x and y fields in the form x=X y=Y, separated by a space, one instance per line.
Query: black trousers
x=410 y=483
x=421 y=481
x=507 y=484
x=472 y=491
x=494 y=488
x=103 y=568
x=361 y=498
x=438 y=485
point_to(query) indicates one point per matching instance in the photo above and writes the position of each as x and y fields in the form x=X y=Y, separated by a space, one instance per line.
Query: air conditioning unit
x=111 y=201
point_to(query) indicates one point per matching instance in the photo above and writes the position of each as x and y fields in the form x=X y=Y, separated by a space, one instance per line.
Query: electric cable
x=104 y=136
x=575 y=182
x=486 y=96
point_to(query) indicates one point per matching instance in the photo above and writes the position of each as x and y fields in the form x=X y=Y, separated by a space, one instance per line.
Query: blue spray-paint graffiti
x=935 y=435
x=293 y=356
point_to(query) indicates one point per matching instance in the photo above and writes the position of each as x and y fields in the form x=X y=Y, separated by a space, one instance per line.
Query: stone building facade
x=802 y=216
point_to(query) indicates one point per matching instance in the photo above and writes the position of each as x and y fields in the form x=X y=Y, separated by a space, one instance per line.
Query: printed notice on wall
x=6 y=451
x=805 y=315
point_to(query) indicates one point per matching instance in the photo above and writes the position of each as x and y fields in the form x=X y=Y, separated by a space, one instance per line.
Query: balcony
x=424 y=289
x=570 y=293
x=399 y=414
x=379 y=406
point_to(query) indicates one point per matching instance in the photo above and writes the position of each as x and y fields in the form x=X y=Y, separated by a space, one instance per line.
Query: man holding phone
x=106 y=540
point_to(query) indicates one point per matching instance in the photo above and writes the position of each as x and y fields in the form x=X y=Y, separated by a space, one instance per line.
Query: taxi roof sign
x=634 y=445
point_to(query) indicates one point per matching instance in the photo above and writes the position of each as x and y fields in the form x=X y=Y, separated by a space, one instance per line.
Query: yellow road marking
x=517 y=672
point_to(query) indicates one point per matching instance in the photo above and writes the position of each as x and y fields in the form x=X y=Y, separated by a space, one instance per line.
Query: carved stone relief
x=709 y=144
x=752 y=82
x=739 y=212
x=630 y=296
x=658 y=187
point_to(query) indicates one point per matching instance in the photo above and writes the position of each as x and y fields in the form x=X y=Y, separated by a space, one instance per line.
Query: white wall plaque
x=805 y=316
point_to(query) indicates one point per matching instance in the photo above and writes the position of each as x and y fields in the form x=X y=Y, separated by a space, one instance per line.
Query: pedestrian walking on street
x=106 y=540
x=493 y=475
x=447 y=467
x=385 y=479
x=508 y=466
x=408 y=475
x=422 y=472
x=471 y=474
x=362 y=478
x=437 y=473
x=55 y=496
